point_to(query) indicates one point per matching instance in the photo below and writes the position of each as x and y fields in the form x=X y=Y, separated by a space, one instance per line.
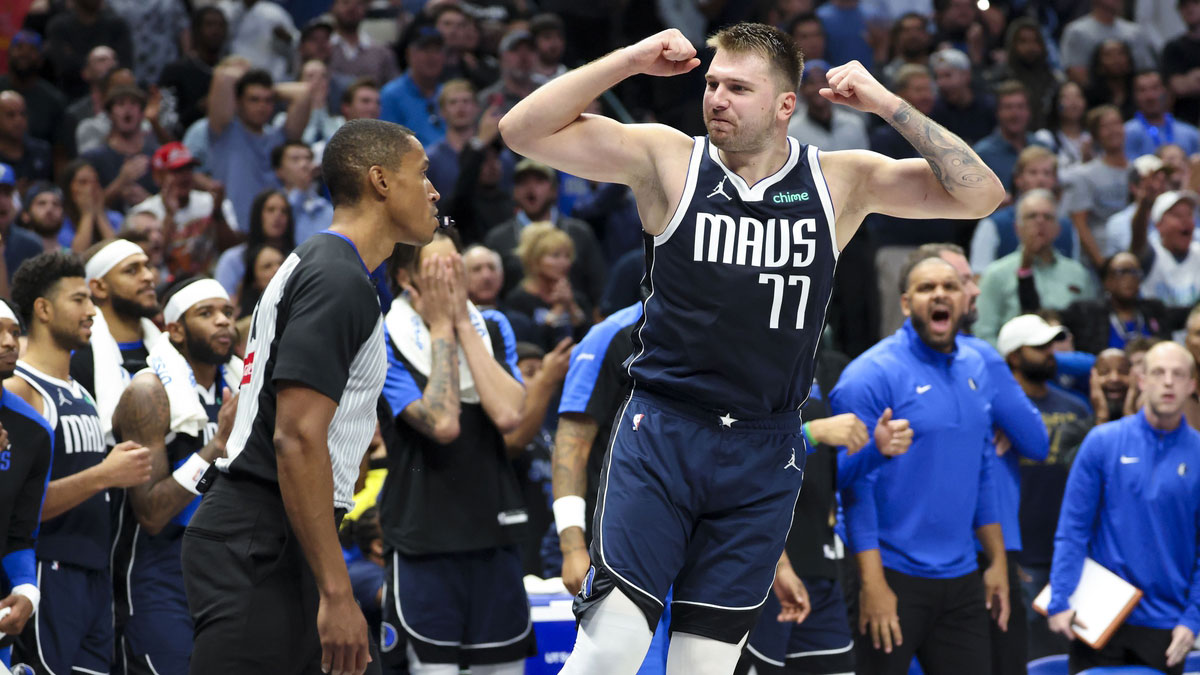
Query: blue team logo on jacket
x=6 y=460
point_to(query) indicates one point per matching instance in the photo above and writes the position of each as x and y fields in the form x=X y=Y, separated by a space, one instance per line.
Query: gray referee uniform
x=251 y=593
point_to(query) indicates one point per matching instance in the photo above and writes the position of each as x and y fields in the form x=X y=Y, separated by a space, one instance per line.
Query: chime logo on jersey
x=749 y=241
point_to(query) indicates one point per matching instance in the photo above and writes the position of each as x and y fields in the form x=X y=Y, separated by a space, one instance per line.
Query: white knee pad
x=415 y=667
x=510 y=668
x=694 y=655
x=613 y=639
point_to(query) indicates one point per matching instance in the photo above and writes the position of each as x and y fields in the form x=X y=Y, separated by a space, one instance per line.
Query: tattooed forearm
x=439 y=404
x=954 y=163
x=572 y=446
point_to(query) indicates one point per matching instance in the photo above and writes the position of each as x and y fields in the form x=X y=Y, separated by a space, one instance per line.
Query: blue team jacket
x=1132 y=504
x=921 y=509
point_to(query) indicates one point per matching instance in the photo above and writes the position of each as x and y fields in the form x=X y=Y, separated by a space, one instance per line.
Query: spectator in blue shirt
x=240 y=137
x=293 y=163
x=411 y=99
x=999 y=149
x=1132 y=505
x=846 y=25
x=1153 y=125
x=913 y=520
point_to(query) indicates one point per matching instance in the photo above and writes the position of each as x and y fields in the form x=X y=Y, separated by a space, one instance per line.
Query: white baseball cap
x=1027 y=330
x=1167 y=200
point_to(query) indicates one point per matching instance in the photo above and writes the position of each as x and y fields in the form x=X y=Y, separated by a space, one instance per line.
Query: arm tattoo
x=954 y=163
x=144 y=416
x=572 y=446
x=440 y=398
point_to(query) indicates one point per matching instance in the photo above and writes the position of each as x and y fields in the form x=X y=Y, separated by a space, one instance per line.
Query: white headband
x=186 y=297
x=7 y=313
x=109 y=257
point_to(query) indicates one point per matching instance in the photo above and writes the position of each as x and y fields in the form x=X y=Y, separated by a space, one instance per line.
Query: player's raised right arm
x=549 y=125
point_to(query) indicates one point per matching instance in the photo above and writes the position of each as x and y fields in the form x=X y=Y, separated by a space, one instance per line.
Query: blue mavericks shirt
x=79 y=536
x=736 y=287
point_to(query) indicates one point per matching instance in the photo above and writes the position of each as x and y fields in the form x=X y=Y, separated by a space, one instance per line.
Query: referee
x=266 y=583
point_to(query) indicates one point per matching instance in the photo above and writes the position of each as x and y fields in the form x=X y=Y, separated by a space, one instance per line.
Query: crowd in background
x=195 y=129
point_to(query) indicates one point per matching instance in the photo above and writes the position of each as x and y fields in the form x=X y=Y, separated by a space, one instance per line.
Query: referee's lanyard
x=1157 y=135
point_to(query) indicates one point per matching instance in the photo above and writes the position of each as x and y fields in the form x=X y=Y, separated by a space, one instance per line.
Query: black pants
x=1010 y=649
x=1129 y=646
x=944 y=623
x=251 y=592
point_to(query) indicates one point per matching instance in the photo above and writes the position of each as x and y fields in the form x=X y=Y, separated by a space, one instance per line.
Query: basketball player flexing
x=742 y=231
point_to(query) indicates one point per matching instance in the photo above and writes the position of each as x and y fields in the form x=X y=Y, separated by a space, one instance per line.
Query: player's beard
x=1039 y=372
x=68 y=339
x=922 y=328
x=126 y=307
x=200 y=351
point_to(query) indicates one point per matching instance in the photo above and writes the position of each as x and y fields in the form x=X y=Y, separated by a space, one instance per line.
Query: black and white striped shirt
x=318 y=324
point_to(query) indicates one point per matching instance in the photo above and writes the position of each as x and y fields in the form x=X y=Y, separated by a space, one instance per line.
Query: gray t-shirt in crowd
x=1083 y=35
x=1099 y=189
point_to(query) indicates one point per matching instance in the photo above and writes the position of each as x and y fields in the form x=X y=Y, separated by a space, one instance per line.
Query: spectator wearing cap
x=1121 y=313
x=1172 y=263
x=178 y=202
x=42 y=214
x=263 y=32
x=518 y=59
x=27 y=157
x=19 y=244
x=959 y=107
x=355 y=54
x=43 y=100
x=1083 y=36
x=999 y=150
x=1153 y=125
x=240 y=136
x=185 y=82
x=1148 y=177
x=1027 y=342
x=1131 y=505
x=1036 y=275
x=996 y=235
x=293 y=162
x=411 y=99
x=549 y=44
x=535 y=191
x=73 y=33
x=100 y=62
x=123 y=161
x=823 y=124
x=92 y=131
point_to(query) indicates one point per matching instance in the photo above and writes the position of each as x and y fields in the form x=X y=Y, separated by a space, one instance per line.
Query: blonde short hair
x=538 y=240
x=777 y=47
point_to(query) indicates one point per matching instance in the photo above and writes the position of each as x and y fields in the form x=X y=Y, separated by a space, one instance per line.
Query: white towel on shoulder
x=188 y=415
x=411 y=336
x=110 y=376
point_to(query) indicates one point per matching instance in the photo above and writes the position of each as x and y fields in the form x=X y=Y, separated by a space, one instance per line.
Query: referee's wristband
x=190 y=472
x=807 y=434
x=569 y=512
x=29 y=591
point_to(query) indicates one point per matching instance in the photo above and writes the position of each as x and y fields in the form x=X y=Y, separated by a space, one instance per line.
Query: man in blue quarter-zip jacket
x=1133 y=505
x=912 y=520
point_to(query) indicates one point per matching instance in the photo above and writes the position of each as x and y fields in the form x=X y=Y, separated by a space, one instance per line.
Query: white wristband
x=190 y=472
x=30 y=591
x=569 y=512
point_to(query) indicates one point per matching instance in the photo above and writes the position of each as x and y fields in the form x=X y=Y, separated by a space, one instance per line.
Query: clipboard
x=1102 y=601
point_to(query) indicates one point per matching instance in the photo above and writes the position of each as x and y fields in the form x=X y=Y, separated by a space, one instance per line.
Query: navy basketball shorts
x=466 y=608
x=821 y=645
x=158 y=634
x=695 y=500
x=73 y=628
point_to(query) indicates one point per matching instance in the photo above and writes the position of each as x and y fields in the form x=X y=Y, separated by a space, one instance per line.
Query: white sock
x=613 y=639
x=510 y=668
x=415 y=667
x=694 y=655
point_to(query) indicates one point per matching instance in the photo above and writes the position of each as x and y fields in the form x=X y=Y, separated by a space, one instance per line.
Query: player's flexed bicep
x=549 y=125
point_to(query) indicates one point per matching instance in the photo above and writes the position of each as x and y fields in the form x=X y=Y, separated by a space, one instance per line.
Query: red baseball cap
x=172 y=156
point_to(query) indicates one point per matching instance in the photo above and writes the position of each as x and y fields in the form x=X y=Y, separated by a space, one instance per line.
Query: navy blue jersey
x=24 y=474
x=737 y=286
x=79 y=536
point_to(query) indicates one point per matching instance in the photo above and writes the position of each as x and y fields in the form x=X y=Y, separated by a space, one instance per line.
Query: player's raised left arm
x=949 y=181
